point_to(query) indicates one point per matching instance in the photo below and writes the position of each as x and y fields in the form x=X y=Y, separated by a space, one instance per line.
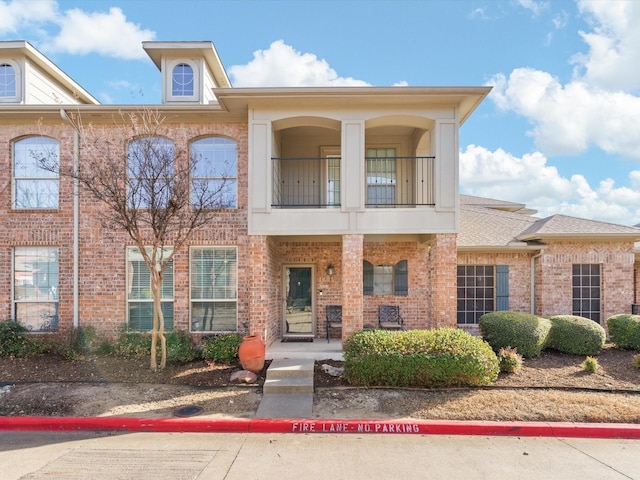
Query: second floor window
x=33 y=186
x=214 y=176
x=381 y=177
x=7 y=81
x=150 y=171
x=182 y=81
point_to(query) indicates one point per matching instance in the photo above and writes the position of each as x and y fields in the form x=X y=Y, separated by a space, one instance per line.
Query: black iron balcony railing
x=306 y=182
x=390 y=182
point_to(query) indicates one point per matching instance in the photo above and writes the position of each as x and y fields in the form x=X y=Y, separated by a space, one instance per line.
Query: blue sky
x=559 y=132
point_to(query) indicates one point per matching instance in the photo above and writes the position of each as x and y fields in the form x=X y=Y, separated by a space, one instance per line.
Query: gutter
x=76 y=222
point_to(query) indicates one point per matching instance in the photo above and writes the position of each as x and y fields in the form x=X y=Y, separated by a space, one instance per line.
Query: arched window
x=33 y=186
x=150 y=162
x=7 y=81
x=215 y=173
x=182 y=81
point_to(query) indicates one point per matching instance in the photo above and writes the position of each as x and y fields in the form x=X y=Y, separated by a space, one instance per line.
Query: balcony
x=391 y=182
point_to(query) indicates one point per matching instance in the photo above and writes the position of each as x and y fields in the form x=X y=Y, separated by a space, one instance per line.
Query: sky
x=560 y=131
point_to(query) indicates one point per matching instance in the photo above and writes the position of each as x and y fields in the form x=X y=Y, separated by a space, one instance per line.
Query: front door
x=299 y=302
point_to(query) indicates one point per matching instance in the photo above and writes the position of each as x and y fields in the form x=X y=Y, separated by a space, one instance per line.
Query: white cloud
x=19 y=14
x=614 y=45
x=282 y=66
x=570 y=118
x=532 y=181
x=109 y=34
x=535 y=6
x=597 y=107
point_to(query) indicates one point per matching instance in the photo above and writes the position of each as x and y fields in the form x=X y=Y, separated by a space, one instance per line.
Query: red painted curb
x=260 y=425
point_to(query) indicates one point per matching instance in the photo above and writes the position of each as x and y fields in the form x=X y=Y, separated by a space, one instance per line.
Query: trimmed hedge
x=575 y=335
x=624 y=330
x=524 y=331
x=418 y=358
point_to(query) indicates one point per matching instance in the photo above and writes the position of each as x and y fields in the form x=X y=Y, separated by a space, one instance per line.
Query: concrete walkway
x=266 y=456
x=288 y=389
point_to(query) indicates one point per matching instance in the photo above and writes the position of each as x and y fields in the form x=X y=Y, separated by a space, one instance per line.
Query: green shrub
x=524 y=331
x=590 y=365
x=509 y=360
x=222 y=348
x=636 y=361
x=180 y=347
x=575 y=335
x=15 y=340
x=624 y=330
x=133 y=344
x=418 y=358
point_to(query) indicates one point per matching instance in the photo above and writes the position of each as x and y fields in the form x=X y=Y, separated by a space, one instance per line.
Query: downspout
x=76 y=222
x=533 y=280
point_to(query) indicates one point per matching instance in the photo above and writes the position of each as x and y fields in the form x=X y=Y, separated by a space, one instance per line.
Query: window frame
x=49 y=317
x=389 y=185
x=134 y=200
x=468 y=307
x=171 y=67
x=385 y=279
x=181 y=80
x=44 y=145
x=229 y=289
x=231 y=182
x=17 y=91
x=144 y=300
x=586 y=279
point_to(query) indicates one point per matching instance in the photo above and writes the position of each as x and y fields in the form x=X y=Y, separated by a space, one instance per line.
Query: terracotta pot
x=251 y=353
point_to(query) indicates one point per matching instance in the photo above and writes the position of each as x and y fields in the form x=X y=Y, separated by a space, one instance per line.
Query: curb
x=261 y=425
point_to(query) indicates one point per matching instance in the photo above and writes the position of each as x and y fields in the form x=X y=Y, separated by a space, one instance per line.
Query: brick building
x=339 y=196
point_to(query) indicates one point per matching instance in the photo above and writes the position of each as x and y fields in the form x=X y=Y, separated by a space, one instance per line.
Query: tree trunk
x=158 y=323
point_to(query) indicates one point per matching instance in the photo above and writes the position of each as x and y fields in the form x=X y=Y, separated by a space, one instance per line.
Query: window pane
x=214 y=279
x=7 y=81
x=476 y=292
x=215 y=172
x=35 y=287
x=381 y=176
x=182 y=82
x=36 y=194
x=150 y=170
x=139 y=294
x=382 y=279
x=586 y=290
x=35 y=187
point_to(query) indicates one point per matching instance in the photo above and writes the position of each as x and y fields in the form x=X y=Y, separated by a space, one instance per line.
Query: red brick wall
x=443 y=280
x=553 y=276
x=102 y=288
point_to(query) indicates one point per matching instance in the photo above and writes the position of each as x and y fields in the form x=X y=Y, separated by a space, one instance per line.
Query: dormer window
x=8 y=85
x=182 y=81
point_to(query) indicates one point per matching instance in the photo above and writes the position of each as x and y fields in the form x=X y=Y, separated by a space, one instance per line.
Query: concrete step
x=292 y=385
x=285 y=406
x=288 y=367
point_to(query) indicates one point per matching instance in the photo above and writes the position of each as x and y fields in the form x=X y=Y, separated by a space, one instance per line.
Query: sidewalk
x=241 y=456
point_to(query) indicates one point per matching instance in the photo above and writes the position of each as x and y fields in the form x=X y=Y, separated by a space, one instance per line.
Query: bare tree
x=141 y=170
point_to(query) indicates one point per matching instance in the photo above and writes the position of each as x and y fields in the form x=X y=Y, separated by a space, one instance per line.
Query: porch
x=319 y=349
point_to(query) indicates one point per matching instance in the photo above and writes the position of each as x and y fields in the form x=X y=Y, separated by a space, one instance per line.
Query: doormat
x=297 y=339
